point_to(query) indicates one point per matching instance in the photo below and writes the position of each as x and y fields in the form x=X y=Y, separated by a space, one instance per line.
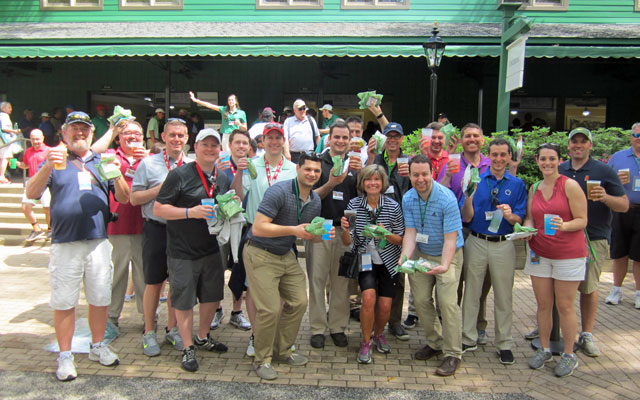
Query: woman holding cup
x=377 y=277
x=556 y=261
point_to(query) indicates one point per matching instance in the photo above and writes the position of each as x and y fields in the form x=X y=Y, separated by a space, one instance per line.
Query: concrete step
x=19 y=229
x=12 y=188
x=19 y=240
x=10 y=198
x=17 y=208
x=18 y=217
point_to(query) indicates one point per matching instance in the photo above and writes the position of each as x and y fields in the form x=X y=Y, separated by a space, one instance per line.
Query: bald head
x=37 y=138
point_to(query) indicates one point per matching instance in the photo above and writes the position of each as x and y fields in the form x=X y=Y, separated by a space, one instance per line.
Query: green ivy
x=606 y=141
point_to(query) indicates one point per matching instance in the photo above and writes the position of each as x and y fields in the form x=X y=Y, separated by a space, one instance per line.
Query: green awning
x=305 y=50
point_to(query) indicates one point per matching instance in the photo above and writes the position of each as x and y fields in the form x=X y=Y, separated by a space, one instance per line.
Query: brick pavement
x=26 y=325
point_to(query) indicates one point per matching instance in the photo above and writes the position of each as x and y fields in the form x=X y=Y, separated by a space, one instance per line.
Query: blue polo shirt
x=442 y=216
x=626 y=159
x=78 y=214
x=510 y=190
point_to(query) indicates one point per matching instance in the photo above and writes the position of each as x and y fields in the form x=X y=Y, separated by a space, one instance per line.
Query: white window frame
x=374 y=5
x=151 y=4
x=75 y=5
x=290 y=4
x=535 y=5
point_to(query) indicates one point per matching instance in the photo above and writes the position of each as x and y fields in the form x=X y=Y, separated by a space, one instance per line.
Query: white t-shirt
x=257 y=129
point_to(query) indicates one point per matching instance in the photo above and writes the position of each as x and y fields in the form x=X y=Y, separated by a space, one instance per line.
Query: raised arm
x=211 y=106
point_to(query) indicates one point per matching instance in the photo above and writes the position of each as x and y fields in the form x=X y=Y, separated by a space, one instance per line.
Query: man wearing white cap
x=300 y=132
x=154 y=128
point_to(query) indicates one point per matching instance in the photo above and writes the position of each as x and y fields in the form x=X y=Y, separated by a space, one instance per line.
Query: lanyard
x=389 y=167
x=166 y=159
x=636 y=158
x=298 y=210
x=376 y=214
x=437 y=169
x=277 y=171
x=204 y=181
x=423 y=214
x=233 y=169
x=497 y=186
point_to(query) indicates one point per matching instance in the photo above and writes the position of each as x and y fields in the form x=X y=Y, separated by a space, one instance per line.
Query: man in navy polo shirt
x=498 y=202
x=80 y=251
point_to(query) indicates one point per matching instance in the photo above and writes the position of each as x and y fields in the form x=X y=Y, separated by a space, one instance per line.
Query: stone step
x=18 y=229
x=10 y=198
x=12 y=188
x=17 y=208
x=18 y=217
x=19 y=240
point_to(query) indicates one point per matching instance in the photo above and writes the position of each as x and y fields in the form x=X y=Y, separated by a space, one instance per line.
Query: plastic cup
x=327 y=225
x=626 y=172
x=427 y=133
x=548 y=229
x=590 y=186
x=351 y=218
x=455 y=160
x=63 y=163
x=496 y=220
x=13 y=163
x=224 y=156
x=209 y=202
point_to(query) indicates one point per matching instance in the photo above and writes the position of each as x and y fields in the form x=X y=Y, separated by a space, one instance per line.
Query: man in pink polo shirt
x=33 y=157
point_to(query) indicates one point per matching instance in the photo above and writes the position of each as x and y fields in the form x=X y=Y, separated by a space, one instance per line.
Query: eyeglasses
x=636 y=135
x=176 y=119
x=132 y=133
x=394 y=136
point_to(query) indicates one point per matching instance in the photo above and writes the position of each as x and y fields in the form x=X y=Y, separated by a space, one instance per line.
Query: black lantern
x=434 y=49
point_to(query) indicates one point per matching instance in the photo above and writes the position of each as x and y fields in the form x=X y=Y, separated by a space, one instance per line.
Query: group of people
x=157 y=215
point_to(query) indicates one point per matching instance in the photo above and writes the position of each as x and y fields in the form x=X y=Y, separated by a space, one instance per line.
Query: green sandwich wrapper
x=228 y=207
x=517 y=228
x=337 y=165
x=471 y=177
x=107 y=169
x=369 y=99
x=316 y=226
x=376 y=232
x=380 y=140
x=253 y=174
x=448 y=130
x=413 y=266
x=120 y=114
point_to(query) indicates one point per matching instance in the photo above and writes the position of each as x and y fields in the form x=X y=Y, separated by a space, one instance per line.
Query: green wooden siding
x=452 y=11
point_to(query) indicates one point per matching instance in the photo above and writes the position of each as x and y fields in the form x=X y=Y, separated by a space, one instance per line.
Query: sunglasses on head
x=308 y=155
x=552 y=146
x=273 y=125
x=176 y=119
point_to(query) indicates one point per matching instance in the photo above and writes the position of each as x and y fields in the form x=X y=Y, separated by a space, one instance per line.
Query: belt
x=153 y=221
x=633 y=205
x=250 y=243
x=489 y=238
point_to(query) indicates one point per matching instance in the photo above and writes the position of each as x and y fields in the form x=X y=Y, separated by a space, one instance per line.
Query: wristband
x=186 y=211
x=380 y=115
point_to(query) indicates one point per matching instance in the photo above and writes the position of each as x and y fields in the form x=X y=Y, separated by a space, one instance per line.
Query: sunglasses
x=552 y=146
x=636 y=135
x=77 y=117
x=273 y=125
x=309 y=155
x=302 y=109
x=176 y=119
x=494 y=196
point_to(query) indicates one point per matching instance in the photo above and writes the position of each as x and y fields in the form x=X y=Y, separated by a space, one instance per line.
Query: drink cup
x=455 y=160
x=351 y=218
x=13 y=163
x=224 y=156
x=327 y=226
x=626 y=173
x=209 y=202
x=356 y=156
x=427 y=133
x=548 y=229
x=590 y=186
x=62 y=164
x=402 y=161
x=496 y=220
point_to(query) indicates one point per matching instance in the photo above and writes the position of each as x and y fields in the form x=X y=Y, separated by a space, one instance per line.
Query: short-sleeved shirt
x=279 y=204
x=154 y=126
x=151 y=172
x=439 y=165
x=441 y=216
x=257 y=129
x=227 y=126
x=455 y=183
x=599 y=215
x=326 y=123
x=102 y=126
x=300 y=134
x=627 y=159
x=78 y=214
x=5 y=121
x=33 y=158
x=189 y=239
x=255 y=188
x=129 y=216
x=398 y=185
x=510 y=190
x=334 y=204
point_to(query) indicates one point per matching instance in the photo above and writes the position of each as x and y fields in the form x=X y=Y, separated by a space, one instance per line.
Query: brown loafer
x=448 y=367
x=426 y=353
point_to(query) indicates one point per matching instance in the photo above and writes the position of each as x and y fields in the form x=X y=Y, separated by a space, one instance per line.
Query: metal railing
x=24 y=141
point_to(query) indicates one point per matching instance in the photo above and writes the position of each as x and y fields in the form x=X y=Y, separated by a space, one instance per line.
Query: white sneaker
x=102 y=353
x=66 y=369
x=637 y=305
x=615 y=296
x=239 y=321
x=251 y=351
x=217 y=319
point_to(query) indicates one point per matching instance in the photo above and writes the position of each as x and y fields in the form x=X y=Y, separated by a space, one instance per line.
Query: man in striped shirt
x=433 y=231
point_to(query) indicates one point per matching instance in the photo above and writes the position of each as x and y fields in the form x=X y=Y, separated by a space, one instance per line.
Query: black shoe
x=426 y=353
x=340 y=339
x=398 y=331
x=410 y=322
x=469 y=347
x=210 y=344
x=506 y=357
x=355 y=314
x=189 y=362
x=317 y=341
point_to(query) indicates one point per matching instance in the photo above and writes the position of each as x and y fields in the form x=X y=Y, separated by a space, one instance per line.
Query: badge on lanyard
x=391 y=190
x=366 y=263
x=534 y=258
x=488 y=215
x=422 y=238
x=338 y=196
x=636 y=184
x=84 y=180
x=130 y=173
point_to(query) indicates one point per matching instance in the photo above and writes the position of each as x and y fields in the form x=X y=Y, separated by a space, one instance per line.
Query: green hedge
x=606 y=141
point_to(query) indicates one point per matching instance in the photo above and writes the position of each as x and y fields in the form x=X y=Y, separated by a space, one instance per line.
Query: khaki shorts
x=594 y=267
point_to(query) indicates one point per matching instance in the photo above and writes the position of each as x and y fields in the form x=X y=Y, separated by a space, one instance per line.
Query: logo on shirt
x=507 y=192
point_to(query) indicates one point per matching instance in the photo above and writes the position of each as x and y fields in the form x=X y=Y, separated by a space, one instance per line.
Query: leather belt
x=489 y=238
x=632 y=205
x=256 y=245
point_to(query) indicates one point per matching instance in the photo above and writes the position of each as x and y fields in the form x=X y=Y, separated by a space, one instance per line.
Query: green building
x=582 y=57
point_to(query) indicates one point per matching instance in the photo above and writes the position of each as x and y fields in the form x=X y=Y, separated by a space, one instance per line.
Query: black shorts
x=201 y=279
x=154 y=252
x=378 y=279
x=625 y=235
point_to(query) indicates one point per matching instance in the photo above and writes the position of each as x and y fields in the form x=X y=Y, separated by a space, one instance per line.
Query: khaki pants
x=594 y=267
x=271 y=278
x=447 y=288
x=126 y=248
x=323 y=263
x=499 y=258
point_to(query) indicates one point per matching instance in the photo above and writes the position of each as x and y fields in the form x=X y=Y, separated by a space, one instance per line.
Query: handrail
x=19 y=138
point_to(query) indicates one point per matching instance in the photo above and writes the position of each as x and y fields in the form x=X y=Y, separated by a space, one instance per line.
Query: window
x=71 y=4
x=155 y=4
x=290 y=4
x=374 y=4
x=636 y=6
x=542 y=5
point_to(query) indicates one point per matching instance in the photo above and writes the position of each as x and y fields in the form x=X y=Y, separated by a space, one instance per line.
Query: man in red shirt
x=435 y=151
x=33 y=157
